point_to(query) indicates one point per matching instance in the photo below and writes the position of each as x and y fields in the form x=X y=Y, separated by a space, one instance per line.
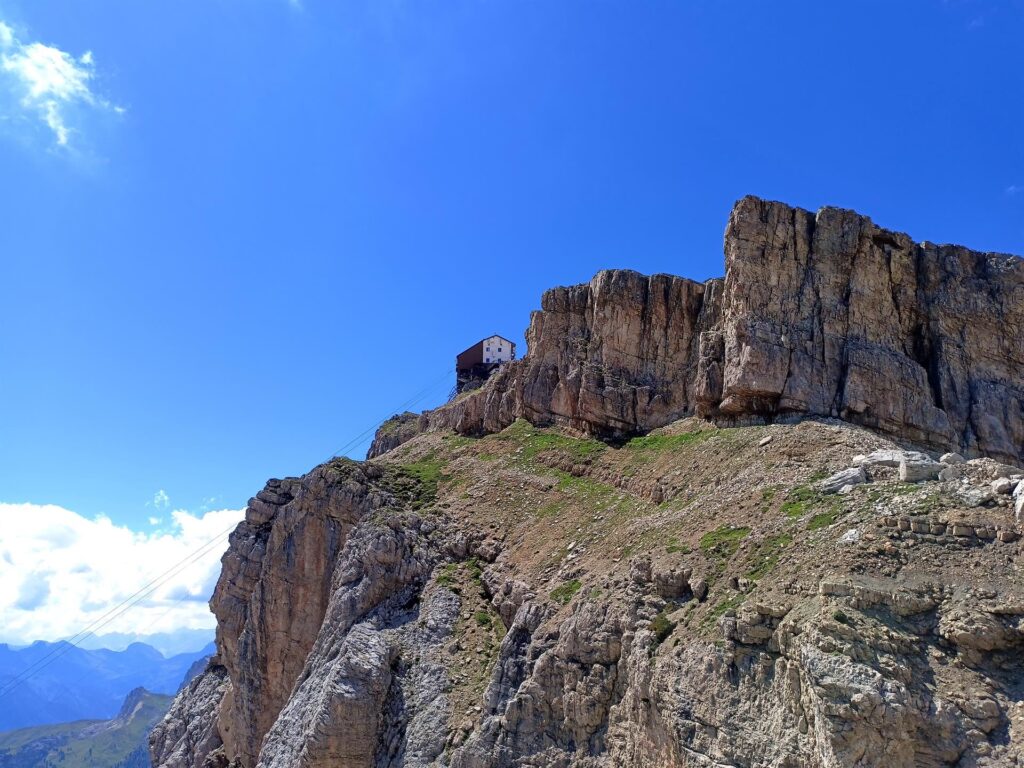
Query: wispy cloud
x=161 y=500
x=44 y=84
x=1014 y=189
x=59 y=571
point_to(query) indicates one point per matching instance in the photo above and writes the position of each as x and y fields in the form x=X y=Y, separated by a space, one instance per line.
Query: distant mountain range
x=168 y=643
x=116 y=743
x=69 y=683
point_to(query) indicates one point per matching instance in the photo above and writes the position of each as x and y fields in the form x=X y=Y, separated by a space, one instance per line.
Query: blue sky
x=262 y=225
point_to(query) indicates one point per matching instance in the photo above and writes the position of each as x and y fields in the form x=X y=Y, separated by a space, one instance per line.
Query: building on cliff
x=473 y=366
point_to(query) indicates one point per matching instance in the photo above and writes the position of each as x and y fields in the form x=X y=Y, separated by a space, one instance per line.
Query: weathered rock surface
x=693 y=597
x=188 y=734
x=916 y=470
x=844 y=478
x=820 y=314
x=399 y=429
x=746 y=629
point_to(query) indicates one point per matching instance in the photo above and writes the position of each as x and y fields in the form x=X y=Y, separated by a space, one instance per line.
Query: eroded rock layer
x=818 y=315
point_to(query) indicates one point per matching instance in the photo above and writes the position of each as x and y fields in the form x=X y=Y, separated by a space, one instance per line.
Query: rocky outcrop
x=724 y=591
x=832 y=315
x=362 y=609
x=188 y=734
x=399 y=429
x=818 y=315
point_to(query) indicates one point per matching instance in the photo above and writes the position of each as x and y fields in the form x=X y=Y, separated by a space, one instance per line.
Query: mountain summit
x=768 y=520
x=820 y=314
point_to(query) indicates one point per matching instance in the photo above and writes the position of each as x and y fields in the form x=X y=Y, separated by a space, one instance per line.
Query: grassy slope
x=82 y=744
x=572 y=513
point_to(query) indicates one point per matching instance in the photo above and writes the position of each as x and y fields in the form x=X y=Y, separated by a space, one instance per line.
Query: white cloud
x=42 y=82
x=161 y=500
x=1013 y=189
x=60 y=571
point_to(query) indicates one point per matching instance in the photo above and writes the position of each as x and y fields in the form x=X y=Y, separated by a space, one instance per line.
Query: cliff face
x=488 y=592
x=818 y=315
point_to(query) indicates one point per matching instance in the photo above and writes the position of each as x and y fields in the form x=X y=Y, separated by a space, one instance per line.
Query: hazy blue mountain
x=116 y=743
x=168 y=643
x=71 y=683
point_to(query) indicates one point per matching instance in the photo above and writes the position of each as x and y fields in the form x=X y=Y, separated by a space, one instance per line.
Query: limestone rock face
x=831 y=315
x=188 y=734
x=694 y=597
x=818 y=315
x=285 y=569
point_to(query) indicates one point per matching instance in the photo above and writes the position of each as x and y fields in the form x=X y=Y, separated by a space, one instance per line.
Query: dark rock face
x=818 y=315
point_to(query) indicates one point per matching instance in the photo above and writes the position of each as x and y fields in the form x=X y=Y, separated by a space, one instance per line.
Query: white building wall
x=497 y=350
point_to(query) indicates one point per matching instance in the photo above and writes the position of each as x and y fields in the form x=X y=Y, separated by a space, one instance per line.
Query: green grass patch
x=535 y=441
x=767 y=494
x=661 y=443
x=551 y=509
x=483 y=619
x=883 y=493
x=457 y=441
x=446 y=577
x=662 y=627
x=564 y=593
x=427 y=472
x=674 y=547
x=724 y=541
x=591 y=494
x=720 y=609
x=799 y=501
x=449 y=575
x=822 y=520
x=768 y=555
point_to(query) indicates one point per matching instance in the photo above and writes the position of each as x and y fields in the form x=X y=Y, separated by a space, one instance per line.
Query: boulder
x=915 y=470
x=977 y=497
x=699 y=587
x=1003 y=485
x=672 y=583
x=887 y=458
x=952 y=472
x=840 y=480
x=951 y=458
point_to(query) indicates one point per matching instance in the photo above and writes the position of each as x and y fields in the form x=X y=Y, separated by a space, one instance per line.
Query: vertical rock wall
x=830 y=315
x=818 y=315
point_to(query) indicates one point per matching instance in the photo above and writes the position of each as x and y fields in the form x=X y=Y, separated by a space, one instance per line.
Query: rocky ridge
x=821 y=314
x=735 y=587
